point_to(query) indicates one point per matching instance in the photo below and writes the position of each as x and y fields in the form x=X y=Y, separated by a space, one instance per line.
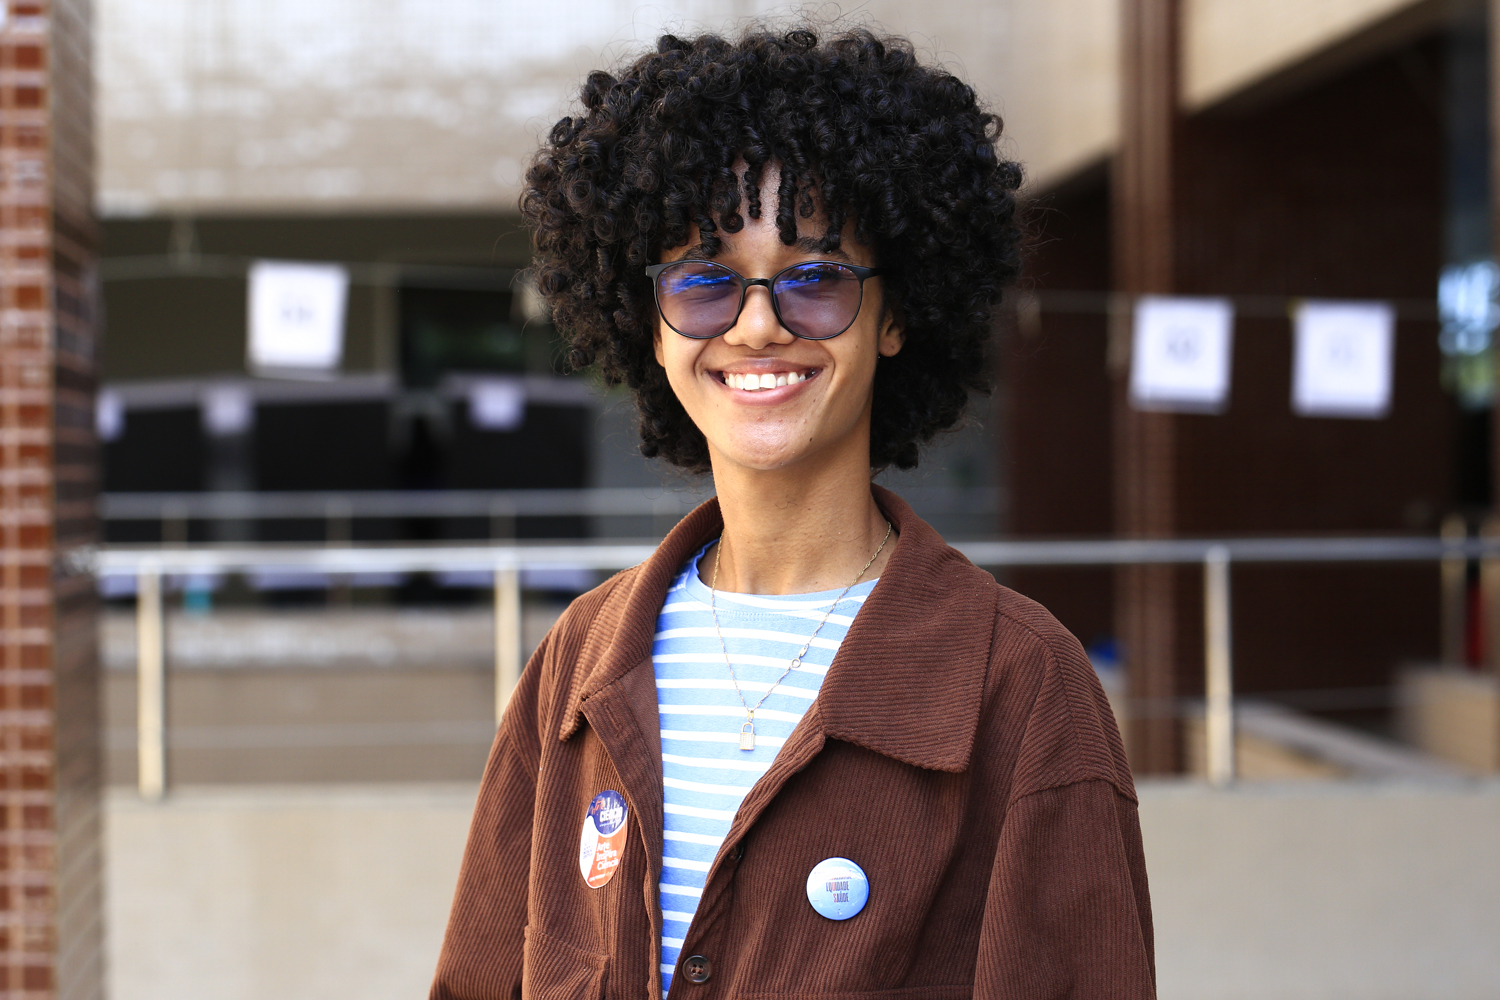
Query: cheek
x=658 y=346
x=679 y=359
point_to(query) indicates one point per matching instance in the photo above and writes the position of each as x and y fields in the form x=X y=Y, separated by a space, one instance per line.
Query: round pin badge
x=837 y=888
x=602 y=843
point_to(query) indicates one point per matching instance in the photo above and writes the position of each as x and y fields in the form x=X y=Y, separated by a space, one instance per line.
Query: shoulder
x=1030 y=690
x=579 y=639
x=1041 y=677
x=598 y=608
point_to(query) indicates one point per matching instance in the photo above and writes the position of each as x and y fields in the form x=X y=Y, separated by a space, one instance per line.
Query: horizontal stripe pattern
x=705 y=774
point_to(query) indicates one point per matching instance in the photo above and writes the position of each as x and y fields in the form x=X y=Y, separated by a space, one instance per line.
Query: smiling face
x=763 y=398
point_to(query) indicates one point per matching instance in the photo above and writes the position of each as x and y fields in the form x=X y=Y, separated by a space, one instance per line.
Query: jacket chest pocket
x=552 y=969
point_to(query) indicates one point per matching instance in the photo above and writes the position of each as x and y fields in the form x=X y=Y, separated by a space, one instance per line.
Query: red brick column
x=1142 y=189
x=51 y=931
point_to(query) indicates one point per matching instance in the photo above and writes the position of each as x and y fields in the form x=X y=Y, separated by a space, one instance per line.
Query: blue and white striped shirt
x=705 y=773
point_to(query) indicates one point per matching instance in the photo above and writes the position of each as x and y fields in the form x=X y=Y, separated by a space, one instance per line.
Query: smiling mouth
x=760 y=382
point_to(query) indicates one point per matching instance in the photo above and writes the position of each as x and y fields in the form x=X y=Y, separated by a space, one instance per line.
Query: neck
x=791 y=534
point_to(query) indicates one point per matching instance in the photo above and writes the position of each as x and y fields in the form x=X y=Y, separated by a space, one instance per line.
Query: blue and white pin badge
x=837 y=888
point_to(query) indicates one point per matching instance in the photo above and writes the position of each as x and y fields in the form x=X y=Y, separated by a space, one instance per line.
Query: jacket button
x=738 y=854
x=698 y=970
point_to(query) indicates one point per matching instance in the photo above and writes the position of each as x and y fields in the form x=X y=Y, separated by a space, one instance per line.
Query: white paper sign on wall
x=109 y=414
x=227 y=410
x=1180 y=353
x=297 y=316
x=1342 y=365
x=497 y=404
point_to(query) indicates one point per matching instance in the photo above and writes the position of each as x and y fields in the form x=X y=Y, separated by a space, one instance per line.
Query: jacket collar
x=909 y=678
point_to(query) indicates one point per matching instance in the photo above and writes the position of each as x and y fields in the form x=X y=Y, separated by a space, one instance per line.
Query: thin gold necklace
x=747 y=731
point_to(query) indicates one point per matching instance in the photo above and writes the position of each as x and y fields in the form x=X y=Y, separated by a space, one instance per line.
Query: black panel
x=322 y=446
x=159 y=451
x=446 y=329
x=548 y=451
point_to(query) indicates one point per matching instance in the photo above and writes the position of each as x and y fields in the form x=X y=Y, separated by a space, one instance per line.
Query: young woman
x=806 y=750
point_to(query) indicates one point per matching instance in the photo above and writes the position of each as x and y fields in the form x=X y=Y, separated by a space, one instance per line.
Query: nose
x=758 y=326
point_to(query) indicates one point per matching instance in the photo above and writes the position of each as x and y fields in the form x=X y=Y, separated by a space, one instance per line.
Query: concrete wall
x=255 y=105
x=288 y=893
x=1334 y=891
x=1229 y=45
x=304 y=105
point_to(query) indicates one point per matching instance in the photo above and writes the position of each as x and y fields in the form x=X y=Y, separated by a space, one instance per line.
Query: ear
x=656 y=343
x=892 y=334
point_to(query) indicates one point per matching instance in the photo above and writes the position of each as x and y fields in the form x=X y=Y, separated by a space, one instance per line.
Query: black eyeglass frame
x=769 y=284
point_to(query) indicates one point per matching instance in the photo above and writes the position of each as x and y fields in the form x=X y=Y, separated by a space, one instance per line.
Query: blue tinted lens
x=698 y=298
x=818 y=300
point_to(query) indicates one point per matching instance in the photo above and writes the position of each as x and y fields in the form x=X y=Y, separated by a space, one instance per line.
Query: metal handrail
x=210 y=506
x=506 y=561
x=115 y=560
x=121 y=560
x=596 y=502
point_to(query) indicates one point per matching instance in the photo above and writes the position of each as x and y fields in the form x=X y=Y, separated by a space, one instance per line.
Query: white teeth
x=752 y=382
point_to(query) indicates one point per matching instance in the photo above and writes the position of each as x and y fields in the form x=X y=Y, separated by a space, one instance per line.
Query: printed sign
x=109 y=413
x=602 y=844
x=1180 y=354
x=227 y=410
x=497 y=404
x=1343 y=359
x=297 y=315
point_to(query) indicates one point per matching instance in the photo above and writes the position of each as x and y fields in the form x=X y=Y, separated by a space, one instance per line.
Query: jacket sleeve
x=1067 y=913
x=481 y=954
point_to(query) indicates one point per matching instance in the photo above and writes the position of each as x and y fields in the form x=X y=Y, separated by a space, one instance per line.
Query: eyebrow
x=804 y=244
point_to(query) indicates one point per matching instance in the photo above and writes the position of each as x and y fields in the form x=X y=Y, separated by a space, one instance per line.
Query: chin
x=762 y=456
x=761 y=462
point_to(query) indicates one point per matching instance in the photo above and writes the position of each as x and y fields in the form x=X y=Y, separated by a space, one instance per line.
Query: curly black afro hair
x=902 y=149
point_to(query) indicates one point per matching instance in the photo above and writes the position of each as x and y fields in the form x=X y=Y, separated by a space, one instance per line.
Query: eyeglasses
x=814 y=299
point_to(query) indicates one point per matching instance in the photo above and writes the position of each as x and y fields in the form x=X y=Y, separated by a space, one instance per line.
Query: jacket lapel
x=909 y=679
x=618 y=716
x=614 y=688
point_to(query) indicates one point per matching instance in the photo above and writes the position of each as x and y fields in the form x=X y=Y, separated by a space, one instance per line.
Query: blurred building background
x=324 y=732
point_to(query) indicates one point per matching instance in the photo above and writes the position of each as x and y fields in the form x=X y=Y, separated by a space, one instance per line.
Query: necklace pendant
x=747 y=736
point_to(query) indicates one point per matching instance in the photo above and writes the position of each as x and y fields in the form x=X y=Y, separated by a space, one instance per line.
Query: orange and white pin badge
x=603 y=842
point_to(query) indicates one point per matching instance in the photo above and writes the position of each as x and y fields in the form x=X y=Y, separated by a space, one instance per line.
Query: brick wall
x=50 y=866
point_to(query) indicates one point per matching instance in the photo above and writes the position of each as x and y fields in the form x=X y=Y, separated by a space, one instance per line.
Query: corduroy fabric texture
x=960 y=751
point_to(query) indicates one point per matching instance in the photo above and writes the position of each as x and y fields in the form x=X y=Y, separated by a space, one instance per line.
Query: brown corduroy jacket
x=960 y=751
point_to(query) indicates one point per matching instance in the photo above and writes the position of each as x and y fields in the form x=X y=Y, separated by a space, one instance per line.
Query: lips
x=761 y=381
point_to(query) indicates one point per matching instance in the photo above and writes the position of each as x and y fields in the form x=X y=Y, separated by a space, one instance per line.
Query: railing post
x=174 y=523
x=1489 y=596
x=1219 y=680
x=151 y=688
x=502 y=521
x=507 y=635
x=338 y=515
x=1454 y=576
